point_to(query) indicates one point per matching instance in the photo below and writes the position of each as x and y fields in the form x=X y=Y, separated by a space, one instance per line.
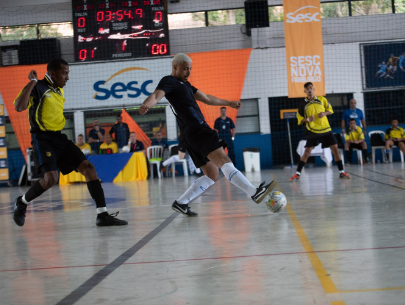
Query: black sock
x=301 y=164
x=365 y=154
x=97 y=193
x=339 y=165
x=34 y=192
x=348 y=154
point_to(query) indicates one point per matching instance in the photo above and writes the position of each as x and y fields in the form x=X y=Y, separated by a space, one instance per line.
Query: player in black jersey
x=44 y=100
x=202 y=143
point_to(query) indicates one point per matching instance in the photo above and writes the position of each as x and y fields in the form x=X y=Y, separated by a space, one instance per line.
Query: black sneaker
x=110 y=220
x=183 y=209
x=263 y=191
x=20 y=209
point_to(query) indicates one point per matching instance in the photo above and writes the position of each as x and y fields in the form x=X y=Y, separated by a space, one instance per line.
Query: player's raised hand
x=235 y=104
x=33 y=75
x=143 y=109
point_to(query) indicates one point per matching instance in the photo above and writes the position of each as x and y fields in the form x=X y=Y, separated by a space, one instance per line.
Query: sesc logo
x=292 y=18
x=116 y=90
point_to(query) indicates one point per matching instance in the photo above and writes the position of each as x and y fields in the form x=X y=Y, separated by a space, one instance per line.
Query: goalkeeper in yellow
x=312 y=114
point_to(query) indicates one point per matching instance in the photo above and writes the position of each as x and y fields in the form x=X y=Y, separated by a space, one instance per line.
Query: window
x=276 y=13
x=11 y=138
x=371 y=7
x=15 y=33
x=399 y=6
x=335 y=9
x=382 y=106
x=69 y=129
x=226 y=17
x=52 y=30
x=247 y=120
x=186 y=20
x=150 y=124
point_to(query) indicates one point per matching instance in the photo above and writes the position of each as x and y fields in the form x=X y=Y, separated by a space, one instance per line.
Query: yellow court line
x=326 y=281
x=376 y=289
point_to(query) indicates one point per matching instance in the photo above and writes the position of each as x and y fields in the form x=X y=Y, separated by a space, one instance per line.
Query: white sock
x=171 y=160
x=236 y=178
x=101 y=210
x=24 y=200
x=197 y=188
x=298 y=173
x=191 y=165
x=342 y=171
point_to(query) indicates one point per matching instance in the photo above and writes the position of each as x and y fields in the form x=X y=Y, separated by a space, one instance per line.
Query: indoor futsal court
x=195 y=152
x=337 y=244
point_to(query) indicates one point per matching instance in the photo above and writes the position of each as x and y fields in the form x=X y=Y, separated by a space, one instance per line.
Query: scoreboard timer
x=105 y=30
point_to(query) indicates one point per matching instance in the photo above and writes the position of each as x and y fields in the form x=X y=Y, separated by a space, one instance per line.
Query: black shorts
x=180 y=147
x=53 y=151
x=396 y=143
x=355 y=146
x=314 y=139
x=200 y=142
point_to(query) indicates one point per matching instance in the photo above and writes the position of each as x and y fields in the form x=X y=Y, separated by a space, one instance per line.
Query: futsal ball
x=125 y=149
x=276 y=202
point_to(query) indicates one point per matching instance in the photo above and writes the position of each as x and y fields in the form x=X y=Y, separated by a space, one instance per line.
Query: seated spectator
x=159 y=141
x=108 y=147
x=394 y=136
x=134 y=145
x=354 y=139
x=85 y=148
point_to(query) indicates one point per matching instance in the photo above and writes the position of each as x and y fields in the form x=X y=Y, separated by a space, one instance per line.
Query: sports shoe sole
x=181 y=212
x=271 y=187
x=296 y=179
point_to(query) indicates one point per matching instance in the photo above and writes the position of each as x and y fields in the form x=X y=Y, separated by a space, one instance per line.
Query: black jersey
x=181 y=98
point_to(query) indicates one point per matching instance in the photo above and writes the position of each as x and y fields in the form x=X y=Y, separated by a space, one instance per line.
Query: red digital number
x=101 y=5
x=92 y=53
x=90 y=7
x=129 y=14
x=139 y=12
x=100 y=16
x=146 y=3
x=159 y=49
x=158 y=17
x=79 y=8
x=156 y=2
x=83 y=54
x=112 y=5
x=124 y=4
x=135 y=3
x=120 y=16
x=124 y=43
x=108 y=15
x=81 y=22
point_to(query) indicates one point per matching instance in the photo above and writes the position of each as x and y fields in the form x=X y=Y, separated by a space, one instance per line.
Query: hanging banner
x=304 y=46
x=3 y=147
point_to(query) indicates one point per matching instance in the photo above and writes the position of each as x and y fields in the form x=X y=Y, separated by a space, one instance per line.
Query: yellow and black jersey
x=354 y=135
x=393 y=61
x=308 y=108
x=45 y=107
x=395 y=133
x=85 y=146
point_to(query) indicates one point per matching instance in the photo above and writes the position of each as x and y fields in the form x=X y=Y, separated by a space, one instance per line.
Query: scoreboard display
x=106 y=30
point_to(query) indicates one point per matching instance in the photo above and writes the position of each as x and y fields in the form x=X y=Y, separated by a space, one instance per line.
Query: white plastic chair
x=153 y=153
x=400 y=153
x=182 y=161
x=373 y=148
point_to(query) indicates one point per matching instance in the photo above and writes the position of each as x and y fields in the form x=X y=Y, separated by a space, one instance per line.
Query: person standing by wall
x=226 y=130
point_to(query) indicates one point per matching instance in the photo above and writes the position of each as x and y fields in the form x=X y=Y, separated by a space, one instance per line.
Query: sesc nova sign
x=308 y=17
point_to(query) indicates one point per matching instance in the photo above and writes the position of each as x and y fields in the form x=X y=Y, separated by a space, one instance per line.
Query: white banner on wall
x=114 y=84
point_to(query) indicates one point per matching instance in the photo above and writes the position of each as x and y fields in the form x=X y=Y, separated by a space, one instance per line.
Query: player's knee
x=50 y=179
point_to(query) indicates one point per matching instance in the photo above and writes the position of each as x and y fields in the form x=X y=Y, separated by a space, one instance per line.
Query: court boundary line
x=205 y=258
x=401 y=188
x=99 y=276
x=383 y=174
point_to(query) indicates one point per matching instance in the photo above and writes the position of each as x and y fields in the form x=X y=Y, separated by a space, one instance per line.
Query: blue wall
x=254 y=140
x=16 y=162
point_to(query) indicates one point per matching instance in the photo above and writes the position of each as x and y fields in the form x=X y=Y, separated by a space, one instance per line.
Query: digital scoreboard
x=106 y=30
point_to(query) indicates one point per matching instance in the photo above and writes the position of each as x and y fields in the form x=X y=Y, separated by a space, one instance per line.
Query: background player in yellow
x=312 y=114
x=354 y=139
x=394 y=136
x=109 y=144
x=84 y=147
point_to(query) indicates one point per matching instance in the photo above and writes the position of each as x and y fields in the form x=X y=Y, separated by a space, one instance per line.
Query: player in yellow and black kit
x=44 y=100
x=354 y=139
x=312 y=113
x=394 y=136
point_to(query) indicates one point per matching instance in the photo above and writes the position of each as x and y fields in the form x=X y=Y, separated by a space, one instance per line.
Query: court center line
x=401 y=188
x=323 y=276
x=92 y=282
x=204 y=259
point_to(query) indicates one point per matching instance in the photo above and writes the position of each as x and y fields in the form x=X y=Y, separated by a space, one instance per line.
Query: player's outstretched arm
x=21 y=102
x=151 y=101
x=214 y=101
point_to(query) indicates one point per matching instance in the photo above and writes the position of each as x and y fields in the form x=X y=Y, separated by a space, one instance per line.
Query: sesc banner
x=304 y=46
